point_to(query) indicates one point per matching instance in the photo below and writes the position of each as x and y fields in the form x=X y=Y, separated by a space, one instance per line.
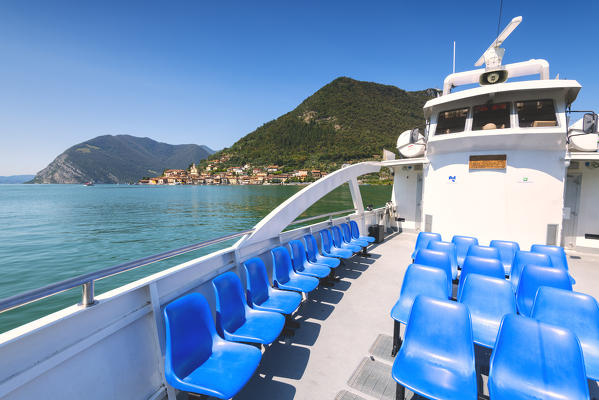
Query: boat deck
x=342 y=349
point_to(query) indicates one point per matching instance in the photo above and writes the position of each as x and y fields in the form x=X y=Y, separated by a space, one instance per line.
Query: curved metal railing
x=86 y=281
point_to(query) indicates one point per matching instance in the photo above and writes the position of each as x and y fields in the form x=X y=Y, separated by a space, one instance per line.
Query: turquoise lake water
x=53 y=232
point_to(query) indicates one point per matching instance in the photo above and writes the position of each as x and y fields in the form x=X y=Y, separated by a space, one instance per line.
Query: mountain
x=346 y=120
x=15 y=178
x=118 y=159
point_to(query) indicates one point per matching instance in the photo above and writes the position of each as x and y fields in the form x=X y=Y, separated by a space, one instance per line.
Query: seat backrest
x=189 y=334
x=346 y=233
x=230 y=302
x=281 y=263
x=337 y=240
x=483 y=266
x=420 y=279
x=325 y=238
x=442 y=329
x=507 y=250
x=355 y=231
x=556 y=253
x=462 y=244
x=532 y=278
x=257 y=280
x=423 y=240
x=437 y=259
x=298 y=254
x=534 y=360
x=576 y=311
x=311 y=247
x=483 y=251
x=488 y=296
x=446 y=247
x=523 y=258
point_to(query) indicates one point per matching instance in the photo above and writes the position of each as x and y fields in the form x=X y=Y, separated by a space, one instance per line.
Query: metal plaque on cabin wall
x=493 y=161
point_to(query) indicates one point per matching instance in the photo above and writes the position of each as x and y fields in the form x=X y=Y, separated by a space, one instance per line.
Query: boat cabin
x=502 y=160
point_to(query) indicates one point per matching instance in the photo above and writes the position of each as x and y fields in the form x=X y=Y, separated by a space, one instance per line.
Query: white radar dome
x=411 y=143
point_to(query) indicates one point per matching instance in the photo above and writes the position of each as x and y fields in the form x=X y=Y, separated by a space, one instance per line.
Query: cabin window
x=451 y=121
x=536 y=113
x=491 y=116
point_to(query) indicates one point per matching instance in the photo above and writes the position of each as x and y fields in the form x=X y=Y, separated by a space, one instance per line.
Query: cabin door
x=418 y=217
x=571 y=201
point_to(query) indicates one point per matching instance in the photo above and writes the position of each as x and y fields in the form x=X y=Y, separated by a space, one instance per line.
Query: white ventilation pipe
x=530 y=67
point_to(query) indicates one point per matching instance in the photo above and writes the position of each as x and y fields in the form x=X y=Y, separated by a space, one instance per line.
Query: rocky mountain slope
x=118 y=159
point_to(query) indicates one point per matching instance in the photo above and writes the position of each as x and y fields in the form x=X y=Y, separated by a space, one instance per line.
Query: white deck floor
x=340 y=324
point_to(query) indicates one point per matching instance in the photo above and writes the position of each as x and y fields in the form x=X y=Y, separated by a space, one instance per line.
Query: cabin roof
x=570 y=87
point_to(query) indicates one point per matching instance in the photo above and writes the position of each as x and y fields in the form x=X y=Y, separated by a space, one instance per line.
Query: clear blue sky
x=210 y=72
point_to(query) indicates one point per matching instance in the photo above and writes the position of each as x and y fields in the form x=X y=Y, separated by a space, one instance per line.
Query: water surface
x=54 y=232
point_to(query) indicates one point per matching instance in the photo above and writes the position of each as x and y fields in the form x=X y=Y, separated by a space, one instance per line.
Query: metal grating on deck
x=381 y=348
x=373 y=378
x=345 y=395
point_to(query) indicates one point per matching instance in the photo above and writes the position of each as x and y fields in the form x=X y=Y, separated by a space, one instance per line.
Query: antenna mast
x=453 y=69
x=494 y=54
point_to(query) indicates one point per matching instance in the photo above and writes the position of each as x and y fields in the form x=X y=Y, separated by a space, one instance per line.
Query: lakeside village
x=216 y=173
x=245 y=175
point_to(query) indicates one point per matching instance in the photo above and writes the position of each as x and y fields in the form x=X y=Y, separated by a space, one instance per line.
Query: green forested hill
x=346 y=120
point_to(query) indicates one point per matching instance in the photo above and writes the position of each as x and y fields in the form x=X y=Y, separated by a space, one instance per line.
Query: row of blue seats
x=504 y=250
x=488 y=297
x=532 y=359
x=211 y=359
x=512 y=259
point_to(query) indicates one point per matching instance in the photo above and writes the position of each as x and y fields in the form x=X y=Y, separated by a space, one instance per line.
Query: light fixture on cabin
x=494 y=72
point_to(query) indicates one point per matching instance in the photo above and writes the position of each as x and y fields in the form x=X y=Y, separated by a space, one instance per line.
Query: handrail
x=87 y=280
x=300 y=221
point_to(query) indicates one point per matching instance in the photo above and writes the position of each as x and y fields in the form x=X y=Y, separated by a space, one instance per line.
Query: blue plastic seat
x=197 y=359
x=261 y=296
x=437 y=357
x=419 y=279
x=328 y=250
x=483 y=266
x=339 y=243
x=462 y=244
x=577 y=312
x=355 y=231
x=348 y=238
x=449 y=248
x=236 y=321
x=300 y=262
x=557 y=255
x=488 y=300
x=483 y=251
x=523 y=258
x=284 y=277
x=422 y=241
x=437 y=259
x=534 y=360
x=315 y=257
x=507 y=252
x=533 y=277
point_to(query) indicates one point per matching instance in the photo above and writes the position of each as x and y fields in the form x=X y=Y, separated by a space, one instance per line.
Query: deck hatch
x=552 y=234
x=428 y=223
